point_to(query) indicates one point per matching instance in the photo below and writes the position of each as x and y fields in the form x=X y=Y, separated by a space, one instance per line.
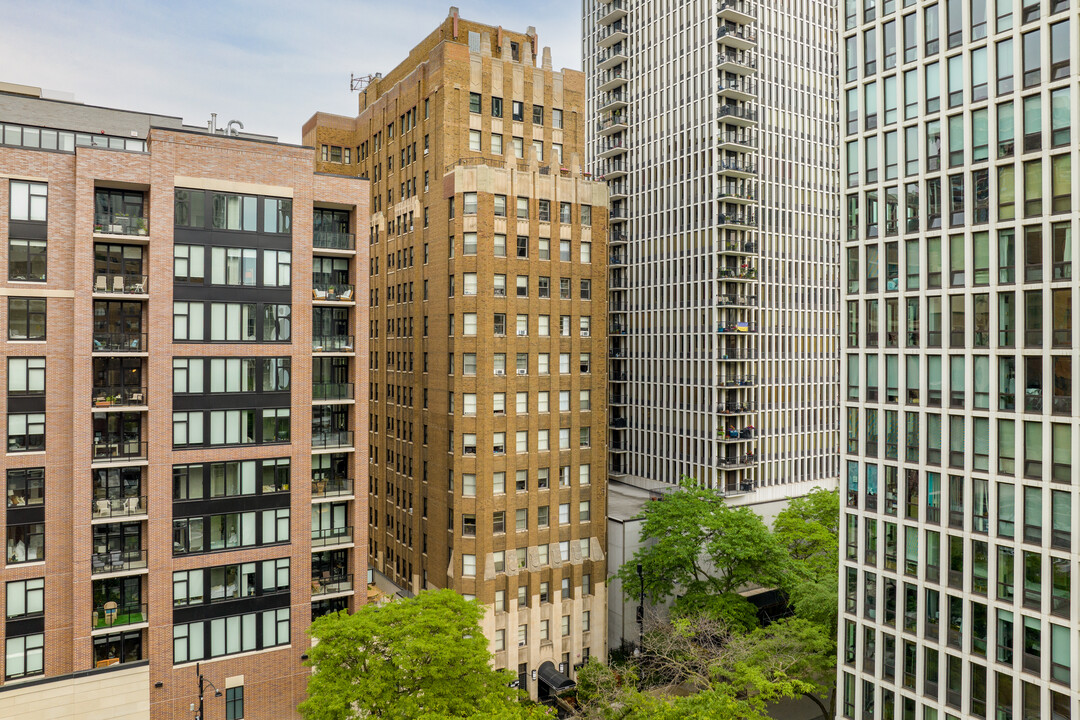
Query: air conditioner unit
x=522 y=371
x=522 y=333
x=500 y=372
x=500 y=412
x=500 y=292
x=584 y=333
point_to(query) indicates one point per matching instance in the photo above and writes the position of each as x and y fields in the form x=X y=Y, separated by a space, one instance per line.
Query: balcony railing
x=739 y=85
x=335 y=438
x=736 y=111
x=744 y=59
x=327 y=240
x=118 y=507
x=331 y=536
x=750 y=220
x=619 y=119
x=117 y=561
x=332 y=584
x=120 y=224
x=105 y=450
x=332 y=391
x=731 y=299
x=119 y=342
x=740 y=31
x=729 y=408
x=738 y=354
x=737 y=461
x=743 y=273
x=333 y=291
x=111 y=615
x=332 y=343
x=120 y=284
x=104 y=397
x=331 y=487
x=737 y=327
x=738 y=380
x=735 y=166
x=736 y=137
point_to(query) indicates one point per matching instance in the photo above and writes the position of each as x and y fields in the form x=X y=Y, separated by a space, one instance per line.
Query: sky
x=268 y=63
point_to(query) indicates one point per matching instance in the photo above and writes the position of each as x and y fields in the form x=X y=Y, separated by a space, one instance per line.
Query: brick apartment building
x=488 y=334
x=181 y=352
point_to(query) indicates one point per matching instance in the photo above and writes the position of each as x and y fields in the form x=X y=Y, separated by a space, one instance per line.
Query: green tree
x=698 y=546
x=420 y=658
x=809 y=529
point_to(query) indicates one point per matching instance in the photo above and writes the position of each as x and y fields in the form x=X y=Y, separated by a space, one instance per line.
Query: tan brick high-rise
x=488 y=326
x=184 y=310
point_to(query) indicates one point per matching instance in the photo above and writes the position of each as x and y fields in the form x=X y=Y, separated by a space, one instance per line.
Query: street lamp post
x=202 y=680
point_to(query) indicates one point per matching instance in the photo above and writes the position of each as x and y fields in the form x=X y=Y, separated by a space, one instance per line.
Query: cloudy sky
x=268 y=63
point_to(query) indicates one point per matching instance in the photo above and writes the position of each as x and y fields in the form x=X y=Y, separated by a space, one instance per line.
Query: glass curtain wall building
x=957 y=554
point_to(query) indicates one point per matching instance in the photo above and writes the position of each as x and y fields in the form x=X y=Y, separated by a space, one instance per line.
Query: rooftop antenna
x=358 y=83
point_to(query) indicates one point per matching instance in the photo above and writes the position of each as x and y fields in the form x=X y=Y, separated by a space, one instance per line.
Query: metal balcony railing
x=737 y=111
x=331 y=439
x=103 y=397
x=118 y=507
x=736 y=166
x=331 y=584
x=332 y=343
x=106 y=450
x=333 y=291
x=740 y=31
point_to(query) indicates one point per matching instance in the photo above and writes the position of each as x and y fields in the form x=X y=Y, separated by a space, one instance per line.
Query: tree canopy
x=425 y=657
x=809 y=529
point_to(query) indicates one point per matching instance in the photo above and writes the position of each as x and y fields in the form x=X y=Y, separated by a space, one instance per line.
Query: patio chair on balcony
x=101 y=284
x=346 y=296
x=319 y=294
x=137 y=398
x=118 y=284
x=97 y=563
x=116 y=560
x=102 y=508
x=131 y=506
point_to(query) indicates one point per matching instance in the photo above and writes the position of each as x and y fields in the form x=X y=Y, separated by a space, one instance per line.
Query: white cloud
x=269 y=63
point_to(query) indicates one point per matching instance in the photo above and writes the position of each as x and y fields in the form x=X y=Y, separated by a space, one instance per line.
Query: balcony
x=120 y=224
x=614 y=169
x=331 y=487
x=332 y=391
x=737 y=140
x=110 y=615
x=744 y=248
x=332 y=343
x=742 y=273
x=607 y=59
x=617 y=330
x=120 y=284
x=736 y=408
x=735 y=168
x=737 y=195
x=122 y=342
x=332 y=536
x=615 y=10
x=738 y=115
x=738 y=88
x=611 y=148
x=737 y=461
x=617 y=423
x=612 y=79
x=108 y=508
x=117 y=561
x=614 y=33
x=109 y=450
x=331 y=585
x=741 y=487
x=615 y=123
x=617 y=238
x=327 y=240
x=118 y=397
x=737 y=63
x=615 y=260
x=736 y=300
x=331 y=439
x=736 y=36
x=732 y=435
x=736 y=11
x=747 y=221
x=614 y=100
x=332 y=292
x=737 y=380
x=736 y=327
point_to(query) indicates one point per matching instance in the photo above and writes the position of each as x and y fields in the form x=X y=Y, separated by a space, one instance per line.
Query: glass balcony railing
x=331 y=487
x=331 y=536
x=333 y=291
x=106 y=450
x=331 y=584
x=111 y=615
x=331 y=439
x=327 y=240
x=118 y=396
x=332 y=391
x=118 y=507
x=332 y=343
x=120 y=284
x=117 y=561
x=119 y=342
x=120 y=224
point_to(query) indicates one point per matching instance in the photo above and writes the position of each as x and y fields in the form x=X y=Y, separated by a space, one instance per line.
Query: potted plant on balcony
x=141 y=226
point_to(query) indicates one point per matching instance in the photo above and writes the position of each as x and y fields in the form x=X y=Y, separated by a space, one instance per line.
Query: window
x=25 y=543
x=517 y=110
x=26 y=318
x=27 y=260
x=26 y=432
x=1032 y=58
x=234 y=703
x=474 y=140
x=25 y=656
x=25 y=598
x=1059 y=50
x=474 y=102
x=29 y=201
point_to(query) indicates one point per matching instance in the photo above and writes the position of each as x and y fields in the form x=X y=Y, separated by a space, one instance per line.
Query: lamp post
x=640 y=610
x=202 y=680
